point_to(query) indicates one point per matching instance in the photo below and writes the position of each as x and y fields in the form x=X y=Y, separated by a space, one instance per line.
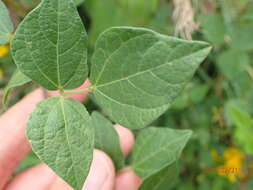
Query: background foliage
x=216 y=105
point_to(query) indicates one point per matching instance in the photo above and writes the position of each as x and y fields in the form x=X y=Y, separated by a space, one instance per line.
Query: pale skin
x=14 y=147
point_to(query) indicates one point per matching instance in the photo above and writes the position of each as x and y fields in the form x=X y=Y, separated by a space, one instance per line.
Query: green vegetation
x=140 y=76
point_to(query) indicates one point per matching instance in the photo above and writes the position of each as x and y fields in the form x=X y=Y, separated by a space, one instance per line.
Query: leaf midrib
x=139 y=73
x=147 y=70
x=34 y=62
x=114 y=52
x=67 y=137
x=156 y=152
x=130 y=105
x=57 y=47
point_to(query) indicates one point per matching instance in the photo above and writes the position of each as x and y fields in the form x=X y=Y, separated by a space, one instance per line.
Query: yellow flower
x=4 y=50
x=233 y=162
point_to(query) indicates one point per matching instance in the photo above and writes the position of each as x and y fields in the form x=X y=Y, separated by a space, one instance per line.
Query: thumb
x=101 y=176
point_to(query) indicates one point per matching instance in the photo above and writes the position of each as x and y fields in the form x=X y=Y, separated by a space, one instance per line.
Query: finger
x=102 y=173
x=126 y=139
x=12 y=132
x=39 y=177
x=79 y=97
x=126 y=179
x=101 y=176
x=14 y=144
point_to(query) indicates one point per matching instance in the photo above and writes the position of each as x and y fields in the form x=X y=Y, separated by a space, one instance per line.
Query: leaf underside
x=107 y=139
x=161 y=180
x=157 y=148
x=61 y=135
x=137 y=73
x=17 y=79
x=50 y=46
x=6 y=26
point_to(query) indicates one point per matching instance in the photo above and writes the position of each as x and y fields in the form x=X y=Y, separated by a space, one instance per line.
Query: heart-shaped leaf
x=137 y=73
x=61 y=135
x=50 y=45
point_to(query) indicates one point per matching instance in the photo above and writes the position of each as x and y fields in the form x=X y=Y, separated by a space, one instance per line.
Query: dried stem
x=183 y=17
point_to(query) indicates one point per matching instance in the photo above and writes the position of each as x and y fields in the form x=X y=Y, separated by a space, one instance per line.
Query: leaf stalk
x=90 y=89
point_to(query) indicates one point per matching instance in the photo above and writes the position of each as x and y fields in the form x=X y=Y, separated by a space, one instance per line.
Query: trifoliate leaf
x=61 y=135
x=50 y=45
x=137 y=73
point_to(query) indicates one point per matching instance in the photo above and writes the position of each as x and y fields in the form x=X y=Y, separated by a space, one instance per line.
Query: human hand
x=14 y=147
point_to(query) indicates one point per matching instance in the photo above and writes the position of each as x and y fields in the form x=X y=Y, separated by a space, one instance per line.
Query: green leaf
x=6 y=26
x=241 y=37
x=101 y=19
x=231 y=63
x=198 y=93
x=161 y=180
x=50 y=45
x=107 y=139
x=157 y=148
x=30 y=4
x=78 y=2
x=140 y=11
x=161 y=21
x=29 y=161
x=61 y=135
x=214 y=29
x=129 y=13
x=18 y=79
x=244 y=127
x=137 y=73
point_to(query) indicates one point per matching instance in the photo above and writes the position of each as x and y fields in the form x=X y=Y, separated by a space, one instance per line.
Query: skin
x=14 y=147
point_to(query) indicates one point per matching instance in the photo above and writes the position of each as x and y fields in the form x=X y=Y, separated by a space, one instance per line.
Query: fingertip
x=127 y=180
x=102 y=173
x=12 y=133
x=126 y=139
x=39 y=177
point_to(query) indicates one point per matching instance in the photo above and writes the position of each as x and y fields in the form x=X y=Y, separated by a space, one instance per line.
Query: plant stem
x=90 y=89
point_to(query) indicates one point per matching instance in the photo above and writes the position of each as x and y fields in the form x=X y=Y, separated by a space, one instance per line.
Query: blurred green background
x=216 y=104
